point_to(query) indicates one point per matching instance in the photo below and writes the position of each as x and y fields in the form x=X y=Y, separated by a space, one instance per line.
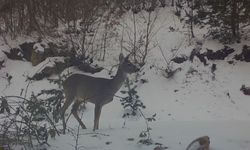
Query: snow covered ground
x=187 y=106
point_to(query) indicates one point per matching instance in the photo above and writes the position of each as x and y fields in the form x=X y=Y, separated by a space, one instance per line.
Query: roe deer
x=203 y=143
x=99 y=91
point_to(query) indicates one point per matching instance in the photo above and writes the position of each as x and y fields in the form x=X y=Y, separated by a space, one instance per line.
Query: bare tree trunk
x=192 y=19
x=172 y=4
x=235 y=19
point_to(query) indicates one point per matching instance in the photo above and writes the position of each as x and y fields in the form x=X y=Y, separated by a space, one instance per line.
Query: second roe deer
x=99 y=91
x=201 y=143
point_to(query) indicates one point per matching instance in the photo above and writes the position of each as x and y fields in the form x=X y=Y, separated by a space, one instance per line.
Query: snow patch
x=38 y=48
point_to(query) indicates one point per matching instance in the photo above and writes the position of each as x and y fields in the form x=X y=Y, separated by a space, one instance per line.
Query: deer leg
x=74 y=112
x=63 y=110
x=98 y=109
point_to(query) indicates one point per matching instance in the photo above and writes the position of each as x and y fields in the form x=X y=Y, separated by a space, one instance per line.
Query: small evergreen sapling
x=53 y=102
x=145 y=134
x=131 y=103
x=133 y=107
x=54 y=97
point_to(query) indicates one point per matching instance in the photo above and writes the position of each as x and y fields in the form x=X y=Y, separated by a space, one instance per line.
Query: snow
x=176 y=135
x=199 y=106
x=38 y=48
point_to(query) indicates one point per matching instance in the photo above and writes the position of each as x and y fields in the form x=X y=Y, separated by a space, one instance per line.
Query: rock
x=27 y=49
x=211 y=55
x=231 y=62
x=213 y=68
x=219 y=54
x=55 y=65
x=87 y=68
x=36 y=52
x=36 y=57
x=244 y=55
x=14 y=54
x=169 y=73
x=179 y=59
x=108 y=142
x=49 y=67
x=200 y=56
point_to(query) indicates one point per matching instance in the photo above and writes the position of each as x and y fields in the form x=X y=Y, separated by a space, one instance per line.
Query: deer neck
x=118 y=79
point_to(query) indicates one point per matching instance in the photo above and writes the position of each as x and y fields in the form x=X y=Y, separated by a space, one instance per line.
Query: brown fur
x=80 y=88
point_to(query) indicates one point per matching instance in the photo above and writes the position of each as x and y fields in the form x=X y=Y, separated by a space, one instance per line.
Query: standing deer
x=99 y=91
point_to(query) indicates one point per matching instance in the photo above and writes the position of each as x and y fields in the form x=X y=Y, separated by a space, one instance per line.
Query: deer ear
x=121 y=58
x=127 y=57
